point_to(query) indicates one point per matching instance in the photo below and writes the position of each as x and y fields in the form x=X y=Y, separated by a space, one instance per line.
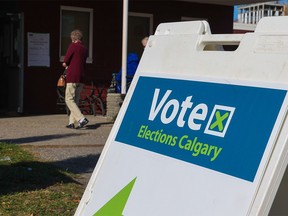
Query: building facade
x=249 y=15
x=34 y=36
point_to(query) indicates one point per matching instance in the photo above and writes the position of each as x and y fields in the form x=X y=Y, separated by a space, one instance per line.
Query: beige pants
x=72 y=96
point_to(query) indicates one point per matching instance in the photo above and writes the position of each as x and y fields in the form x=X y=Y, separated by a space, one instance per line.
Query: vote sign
x=222 y=127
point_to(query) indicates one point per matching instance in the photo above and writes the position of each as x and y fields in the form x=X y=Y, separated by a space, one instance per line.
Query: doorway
x=139 y=26
x=11 y=61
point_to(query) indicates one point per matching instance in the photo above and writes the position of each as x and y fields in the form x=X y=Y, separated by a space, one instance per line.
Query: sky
x=236 y=11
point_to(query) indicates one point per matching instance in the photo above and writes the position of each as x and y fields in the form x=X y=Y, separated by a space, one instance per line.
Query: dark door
x=10 y=63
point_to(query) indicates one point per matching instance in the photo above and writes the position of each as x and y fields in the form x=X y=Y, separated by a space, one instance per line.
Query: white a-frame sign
x=202 y=130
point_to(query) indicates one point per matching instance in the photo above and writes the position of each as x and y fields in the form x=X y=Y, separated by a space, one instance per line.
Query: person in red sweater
x=75 y=62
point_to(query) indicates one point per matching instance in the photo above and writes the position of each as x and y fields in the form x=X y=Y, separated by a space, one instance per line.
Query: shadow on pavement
x=38 y=138
x=97 y=125
x=79 y=165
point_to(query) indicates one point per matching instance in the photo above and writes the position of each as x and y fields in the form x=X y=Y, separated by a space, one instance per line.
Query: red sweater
x=75 y=59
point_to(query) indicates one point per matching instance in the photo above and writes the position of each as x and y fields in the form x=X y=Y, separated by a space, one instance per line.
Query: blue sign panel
x=221 y=127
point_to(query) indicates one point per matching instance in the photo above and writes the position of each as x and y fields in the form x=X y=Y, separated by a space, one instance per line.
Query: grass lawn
x=34 y=188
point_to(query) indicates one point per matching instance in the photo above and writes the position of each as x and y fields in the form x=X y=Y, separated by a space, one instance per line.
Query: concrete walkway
x=49 y=140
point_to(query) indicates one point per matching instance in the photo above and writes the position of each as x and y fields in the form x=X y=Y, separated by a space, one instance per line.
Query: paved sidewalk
x=49 y=140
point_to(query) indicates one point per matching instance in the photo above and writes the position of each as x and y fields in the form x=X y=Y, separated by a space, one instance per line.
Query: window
x=140 y=25
x=76 y=18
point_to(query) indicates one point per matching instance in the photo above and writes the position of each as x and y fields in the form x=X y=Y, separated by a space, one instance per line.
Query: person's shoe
x=70 y=126
x=83 y=122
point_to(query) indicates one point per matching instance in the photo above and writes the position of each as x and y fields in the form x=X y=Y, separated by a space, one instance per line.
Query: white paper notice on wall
x=202 y=131
x=38 y=49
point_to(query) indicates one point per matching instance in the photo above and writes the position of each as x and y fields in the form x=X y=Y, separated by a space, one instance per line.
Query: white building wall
x=250 y=15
